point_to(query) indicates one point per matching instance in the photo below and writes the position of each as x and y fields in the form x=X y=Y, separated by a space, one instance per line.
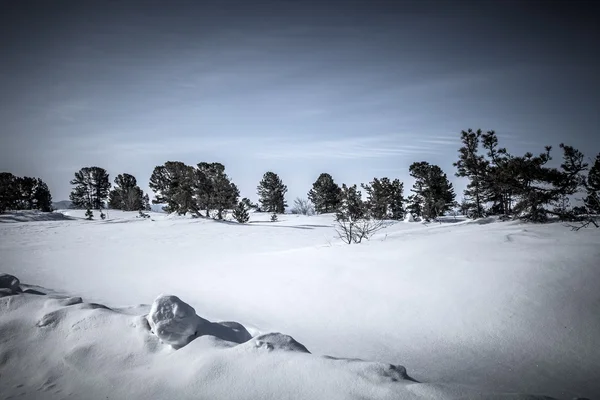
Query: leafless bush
x=302 y=207
x=354 y=231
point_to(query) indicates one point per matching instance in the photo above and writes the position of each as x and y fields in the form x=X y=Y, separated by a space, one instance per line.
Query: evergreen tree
x=249 y=205
x=433 y=193
x=126 y=195
x=91 y=190
x=240 y=213
x=9 y=191
x=274 y=217
x=42 y=199
x=214 y=189
x=271 y=193
x=89 y=215
x=325 y=194
x=24 y=193
x=351 y=206
x=26 y=187
x=499 y=182
x=592 y=187
x=384 y=198
x=473 y=166
x=174 y=185
x=146 y=203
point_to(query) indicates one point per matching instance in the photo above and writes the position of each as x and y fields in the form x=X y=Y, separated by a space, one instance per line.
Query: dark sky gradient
x=355 y=88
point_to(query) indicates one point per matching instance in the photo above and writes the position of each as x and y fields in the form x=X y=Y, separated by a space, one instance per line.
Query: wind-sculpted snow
x=55 y=347
x=497 y=307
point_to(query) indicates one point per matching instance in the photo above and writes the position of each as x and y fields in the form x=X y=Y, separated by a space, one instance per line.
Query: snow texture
x=472 y=309
x=173 y=321
x=9 y=282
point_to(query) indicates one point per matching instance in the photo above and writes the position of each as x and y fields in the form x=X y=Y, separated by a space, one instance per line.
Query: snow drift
x=55 y=347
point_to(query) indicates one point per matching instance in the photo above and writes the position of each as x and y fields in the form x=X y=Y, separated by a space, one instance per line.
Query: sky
x=358 y=89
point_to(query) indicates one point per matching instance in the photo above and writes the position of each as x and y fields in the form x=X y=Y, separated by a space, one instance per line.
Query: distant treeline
x=499 y=184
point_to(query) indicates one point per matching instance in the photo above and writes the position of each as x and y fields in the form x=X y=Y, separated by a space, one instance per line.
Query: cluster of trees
x=524 y=186
x=92 y=190
x=207 y=189
x=23 y=193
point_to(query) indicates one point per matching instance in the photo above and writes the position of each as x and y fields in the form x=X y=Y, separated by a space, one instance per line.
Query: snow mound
x=409 y=218
x=174 y=321
x=55 y=347
x=278 y=341
x=32 y=216
x=9 y=282
x=177 y=324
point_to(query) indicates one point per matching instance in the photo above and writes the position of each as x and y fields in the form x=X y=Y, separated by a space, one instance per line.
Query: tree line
x=499 y=184
x=23 y=193
x=525 y=186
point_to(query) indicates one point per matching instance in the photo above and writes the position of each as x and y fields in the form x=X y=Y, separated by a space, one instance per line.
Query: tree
x=353 y=222
x=325 y=194
x=473 y=166
x=592 y=188
x=385 y=199
x=91 y=190
x=42 y=198
x=248 y=203
x=302 y=207
x=271 y=193
x=351 y=206
x=433 y=193
x=240 y=213
x=173 y=185
x=9 y=191
x=24 y=193
x=89 y=215
x=214 y=189
x=498 y=185
x=127 y=195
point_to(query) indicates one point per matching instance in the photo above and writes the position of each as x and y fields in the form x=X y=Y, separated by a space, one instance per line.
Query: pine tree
x=433 y=193
x=240 y=213
x=274 y=217
x=91 y=190
x=89 y=215
x=42 y=199
x=385 y=199
x=473 y=166
x=126 y=195
x=499 y=182
x=174 y=185
x=249 y=205
x=325 y=194
x=214 y=189
x=9 y=191
x=26 y=186
x=351 y=207
x=592 y=187
x=146 y=203
x=24 y=193
x=271 y=193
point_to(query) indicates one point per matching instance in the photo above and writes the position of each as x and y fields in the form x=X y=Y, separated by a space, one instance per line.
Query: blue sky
x=359 y=89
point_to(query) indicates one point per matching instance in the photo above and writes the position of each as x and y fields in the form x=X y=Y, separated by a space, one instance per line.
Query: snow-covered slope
x=467 y=308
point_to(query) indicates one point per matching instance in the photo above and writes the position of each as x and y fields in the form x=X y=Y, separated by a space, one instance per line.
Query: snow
x=466 y=309
x=173 y=321
x=9 y=282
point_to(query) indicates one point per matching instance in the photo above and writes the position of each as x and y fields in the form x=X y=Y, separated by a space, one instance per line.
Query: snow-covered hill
x=468 y=308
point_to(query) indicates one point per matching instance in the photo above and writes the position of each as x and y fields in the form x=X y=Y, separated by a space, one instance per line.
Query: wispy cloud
x=344 y=148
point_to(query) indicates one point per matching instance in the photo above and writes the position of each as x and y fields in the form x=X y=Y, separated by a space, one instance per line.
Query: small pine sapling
x=274 y=217
x=89 y=215
x=240 y=213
